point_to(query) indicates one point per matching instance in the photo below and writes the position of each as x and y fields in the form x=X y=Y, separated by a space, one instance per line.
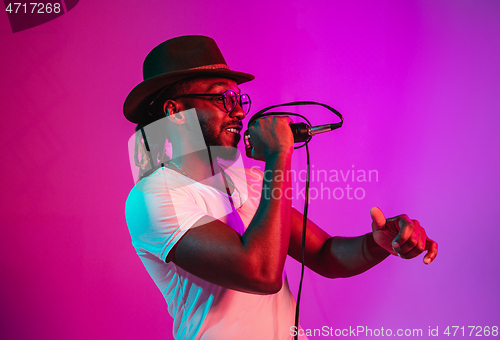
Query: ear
x=172 y=112
x=168 y=107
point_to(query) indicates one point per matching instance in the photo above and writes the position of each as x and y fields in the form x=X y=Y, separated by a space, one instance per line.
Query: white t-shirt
x=159 y=210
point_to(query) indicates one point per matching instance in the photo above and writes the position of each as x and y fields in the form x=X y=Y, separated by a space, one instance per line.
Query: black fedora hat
x=173 y=60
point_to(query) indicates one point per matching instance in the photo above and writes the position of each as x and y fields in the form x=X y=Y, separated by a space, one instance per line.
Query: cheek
x=209 y=130
x=213 y=125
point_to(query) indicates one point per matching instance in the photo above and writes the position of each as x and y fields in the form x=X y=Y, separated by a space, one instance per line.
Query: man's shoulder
x=163 y=177
x=158 y=182
x=142 y=188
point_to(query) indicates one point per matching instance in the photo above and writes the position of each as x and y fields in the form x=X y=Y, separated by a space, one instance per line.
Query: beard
x=213 y=140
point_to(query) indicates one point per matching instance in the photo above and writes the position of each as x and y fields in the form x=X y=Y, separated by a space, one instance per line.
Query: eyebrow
x=222 y=84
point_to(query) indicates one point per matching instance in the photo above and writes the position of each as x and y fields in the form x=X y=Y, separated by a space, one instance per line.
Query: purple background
x=415 y=81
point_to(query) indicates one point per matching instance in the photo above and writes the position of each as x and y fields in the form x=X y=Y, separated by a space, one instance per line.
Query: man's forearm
x=268 y=235
x=349 y=256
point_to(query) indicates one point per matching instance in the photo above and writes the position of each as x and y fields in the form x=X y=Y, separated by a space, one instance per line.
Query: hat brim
x=138 y=100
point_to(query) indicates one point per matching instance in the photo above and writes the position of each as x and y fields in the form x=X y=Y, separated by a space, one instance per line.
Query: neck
x=199 y=166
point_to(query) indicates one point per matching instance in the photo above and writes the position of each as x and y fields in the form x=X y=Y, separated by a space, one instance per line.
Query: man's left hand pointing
x=402 y=236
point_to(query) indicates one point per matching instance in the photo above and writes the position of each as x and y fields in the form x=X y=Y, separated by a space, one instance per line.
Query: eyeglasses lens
x=245 y=102
x=231 y=100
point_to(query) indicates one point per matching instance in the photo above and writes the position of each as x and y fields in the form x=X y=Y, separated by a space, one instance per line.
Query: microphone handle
x=301 y=132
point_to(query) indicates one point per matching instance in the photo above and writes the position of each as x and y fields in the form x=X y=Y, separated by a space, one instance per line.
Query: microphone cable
x=261 y=114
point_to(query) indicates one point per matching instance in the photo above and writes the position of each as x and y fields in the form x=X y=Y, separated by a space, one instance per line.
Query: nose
x=238 y=112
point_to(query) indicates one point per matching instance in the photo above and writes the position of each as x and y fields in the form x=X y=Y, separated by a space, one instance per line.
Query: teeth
x=233 y=130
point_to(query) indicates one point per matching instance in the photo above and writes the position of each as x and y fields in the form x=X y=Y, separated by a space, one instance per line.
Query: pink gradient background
x=415 y=81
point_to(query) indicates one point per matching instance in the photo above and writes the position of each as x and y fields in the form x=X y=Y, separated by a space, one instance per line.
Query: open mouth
x=235 y=130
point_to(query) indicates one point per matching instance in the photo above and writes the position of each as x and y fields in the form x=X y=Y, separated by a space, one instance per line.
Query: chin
x=227 y=153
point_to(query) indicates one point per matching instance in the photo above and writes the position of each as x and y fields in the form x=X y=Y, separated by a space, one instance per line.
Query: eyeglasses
x=229 y=99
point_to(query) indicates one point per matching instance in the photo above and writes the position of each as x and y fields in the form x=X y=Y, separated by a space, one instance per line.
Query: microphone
x=301 y=132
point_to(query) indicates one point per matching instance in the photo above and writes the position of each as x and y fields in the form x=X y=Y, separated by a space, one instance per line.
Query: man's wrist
x=372 y=251
x=277 y=166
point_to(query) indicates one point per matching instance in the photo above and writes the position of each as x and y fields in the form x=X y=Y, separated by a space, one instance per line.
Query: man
x=213 y=244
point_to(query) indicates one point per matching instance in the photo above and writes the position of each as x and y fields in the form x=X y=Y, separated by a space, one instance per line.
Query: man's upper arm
x=158 y=217
x=215 y=252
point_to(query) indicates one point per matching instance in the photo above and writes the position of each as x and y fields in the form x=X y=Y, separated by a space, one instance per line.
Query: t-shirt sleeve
x=158 y=215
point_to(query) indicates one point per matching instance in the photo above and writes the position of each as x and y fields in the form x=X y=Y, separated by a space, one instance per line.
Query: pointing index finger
x=406 y=229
